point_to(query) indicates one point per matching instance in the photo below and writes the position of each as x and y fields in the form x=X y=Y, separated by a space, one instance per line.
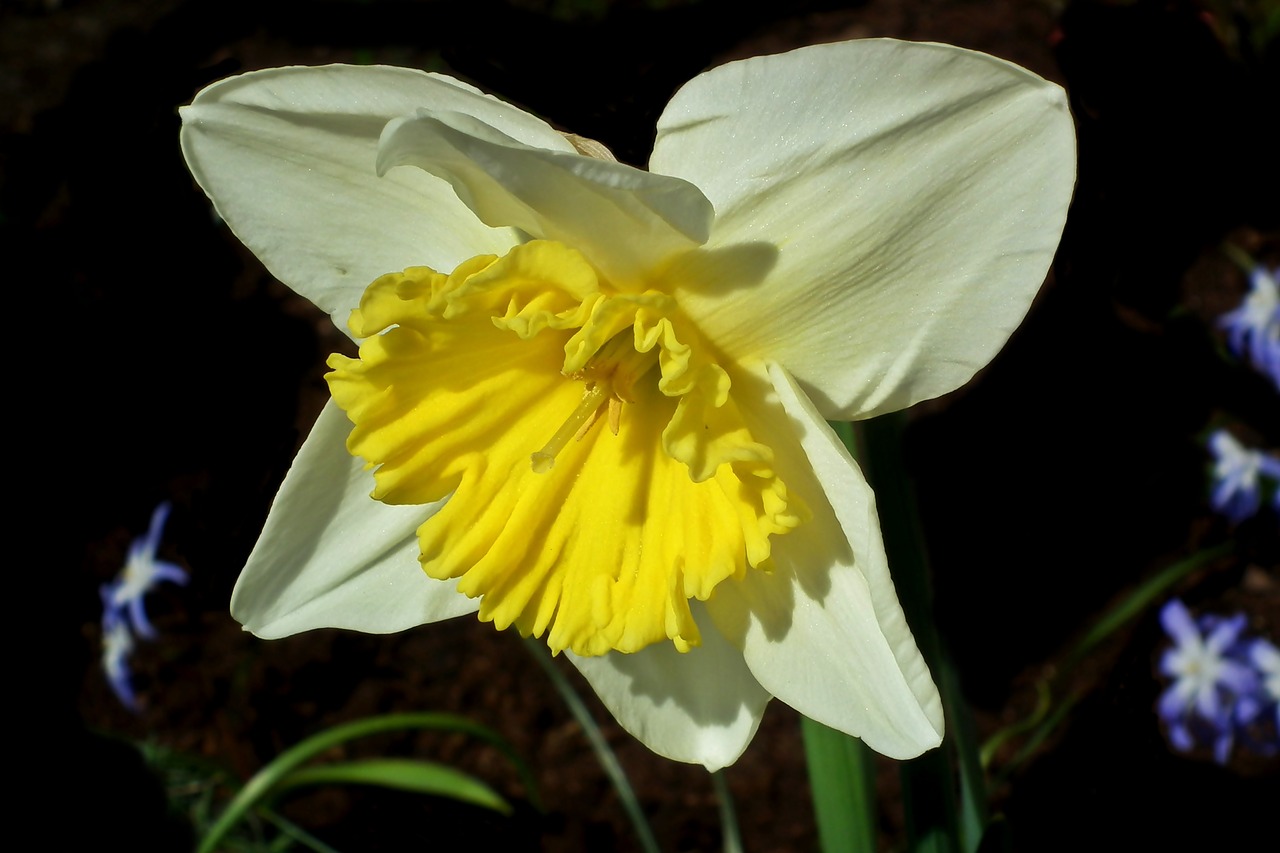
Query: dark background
x=158 y=361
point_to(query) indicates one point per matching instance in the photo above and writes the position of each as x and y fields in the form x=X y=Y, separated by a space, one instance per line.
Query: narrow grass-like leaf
x=974 y=813
x=404 y=774
x=1141 y=598
x=291 y=833
x=264 y=783
x=1044 y=700
x=1043 y=731
x=1045 y=718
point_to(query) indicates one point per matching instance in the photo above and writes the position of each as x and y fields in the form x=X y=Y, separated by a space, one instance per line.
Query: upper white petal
x=915 y=193
x=626 y=221
x=824 y=632
x=702 y=706
x=332 y=557
x=288 y=157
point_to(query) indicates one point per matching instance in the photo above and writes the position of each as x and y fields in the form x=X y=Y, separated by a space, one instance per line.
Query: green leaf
x=974 y=812
x=266 y=781
x=404 y=774
x=935 y=820
x=1142 y=597
x=1046 y=716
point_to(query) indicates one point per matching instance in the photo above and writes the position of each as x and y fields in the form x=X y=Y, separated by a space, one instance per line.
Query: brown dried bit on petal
x=589 y=147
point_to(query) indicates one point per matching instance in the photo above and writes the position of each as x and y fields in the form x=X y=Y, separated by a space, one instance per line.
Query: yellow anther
x=615 y=415
x=608 y=379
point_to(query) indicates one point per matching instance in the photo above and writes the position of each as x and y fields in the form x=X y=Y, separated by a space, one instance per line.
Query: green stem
x=842 y=778
x=605 y=755
x=728 y=814
x=297 y=833
x=936 y=818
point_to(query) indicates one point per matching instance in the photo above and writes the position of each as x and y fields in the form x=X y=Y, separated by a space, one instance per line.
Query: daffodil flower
x=590 y=400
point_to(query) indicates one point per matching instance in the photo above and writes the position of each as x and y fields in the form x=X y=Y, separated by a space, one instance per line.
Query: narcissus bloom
x=590 y=399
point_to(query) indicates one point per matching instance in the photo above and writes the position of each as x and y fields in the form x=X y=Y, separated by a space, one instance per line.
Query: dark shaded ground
x=1066 y=473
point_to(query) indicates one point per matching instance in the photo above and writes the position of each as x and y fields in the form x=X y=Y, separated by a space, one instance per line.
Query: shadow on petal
x=702 y=706
x=725 y=272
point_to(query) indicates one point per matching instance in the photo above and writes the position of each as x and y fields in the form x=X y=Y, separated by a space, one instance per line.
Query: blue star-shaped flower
x=124 y=613
x=1253 y=329
x=1208 y=679
x=1237 y=473
x=141 y=572
x=1265 y=658
x=117 y=646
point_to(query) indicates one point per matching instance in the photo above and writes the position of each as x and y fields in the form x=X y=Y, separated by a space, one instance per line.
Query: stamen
x=583 y=416
x=615 y=415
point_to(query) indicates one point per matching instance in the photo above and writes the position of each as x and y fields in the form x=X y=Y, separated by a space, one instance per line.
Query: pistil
x=608 y=380
x=575 y=427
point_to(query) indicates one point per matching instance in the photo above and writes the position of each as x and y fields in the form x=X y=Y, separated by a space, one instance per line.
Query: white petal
x=825 y=633
x=915 y=192
x=702 y=707
x=625 y=220
x=332 y=557
x=288 y=157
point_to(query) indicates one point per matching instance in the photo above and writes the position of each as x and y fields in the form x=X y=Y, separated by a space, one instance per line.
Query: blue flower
x=1265 y=701
x=1209 y=678
x=117 y=647
x=124 y=614
x=1237 y=473
x=141 y=572
x=1253 y=329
